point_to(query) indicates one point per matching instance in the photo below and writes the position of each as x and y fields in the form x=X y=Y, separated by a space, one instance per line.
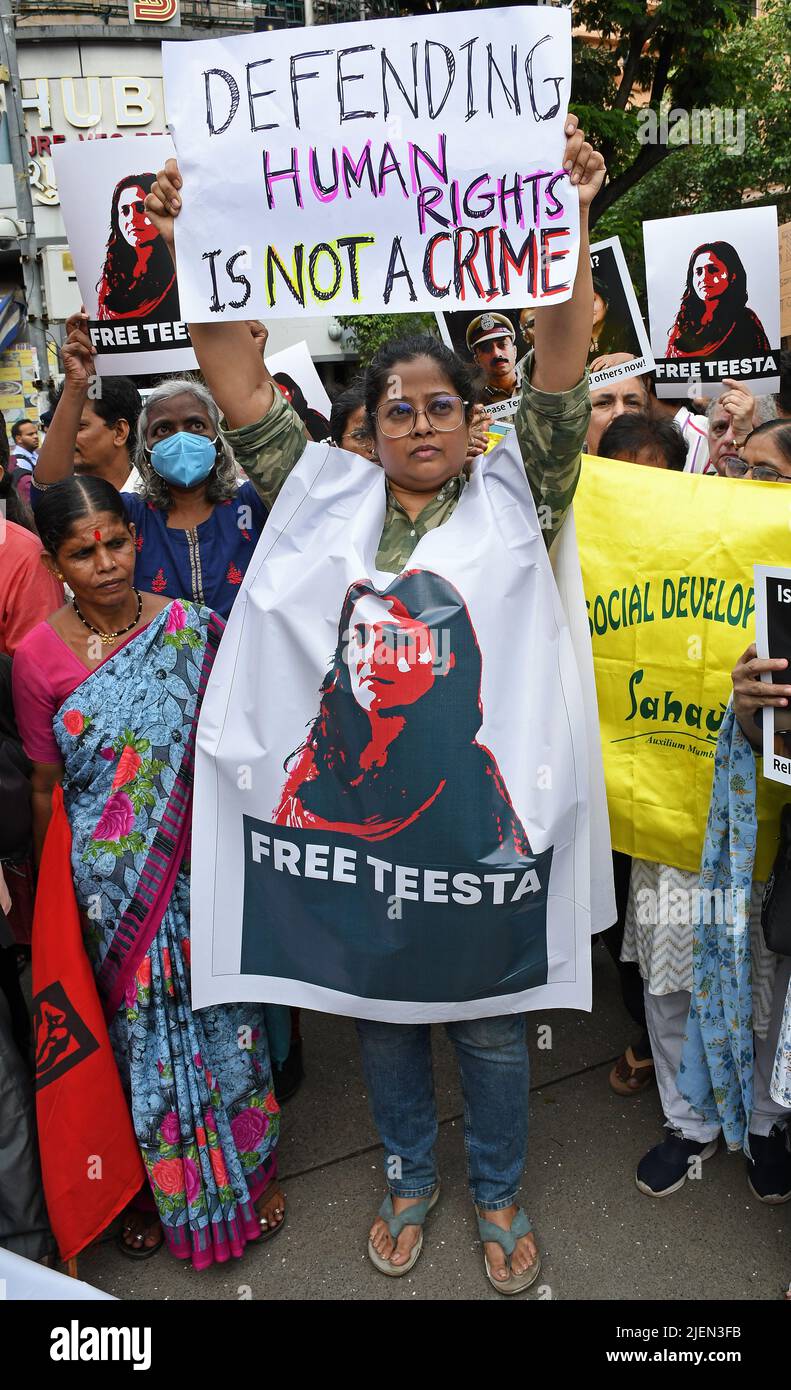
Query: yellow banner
x=667 y=564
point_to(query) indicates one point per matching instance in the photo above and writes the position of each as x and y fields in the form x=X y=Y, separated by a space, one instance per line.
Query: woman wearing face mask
x=196 y=529
x=107 y=693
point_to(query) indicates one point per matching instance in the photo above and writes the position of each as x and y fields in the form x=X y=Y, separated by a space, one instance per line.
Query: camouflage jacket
x=550 y=427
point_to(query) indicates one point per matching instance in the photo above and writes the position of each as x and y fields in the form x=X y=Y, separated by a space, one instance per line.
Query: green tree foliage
x=754 y=68
x=671 y=51
x=372 y=331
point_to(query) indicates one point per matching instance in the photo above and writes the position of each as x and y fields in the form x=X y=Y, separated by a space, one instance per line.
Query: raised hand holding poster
x=385 y=165
x=124 y=270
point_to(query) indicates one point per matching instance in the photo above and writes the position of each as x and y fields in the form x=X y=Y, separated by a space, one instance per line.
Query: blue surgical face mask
x=184 y=459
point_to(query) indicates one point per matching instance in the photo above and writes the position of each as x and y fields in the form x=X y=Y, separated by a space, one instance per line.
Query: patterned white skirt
x=658 y=934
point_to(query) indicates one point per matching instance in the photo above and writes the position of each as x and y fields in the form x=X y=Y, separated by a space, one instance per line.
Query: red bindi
x=97 y=535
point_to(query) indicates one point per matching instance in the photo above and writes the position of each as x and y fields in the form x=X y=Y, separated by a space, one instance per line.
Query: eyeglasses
x=397 y=419
x=136 y=206
x=359 y=436
x=527 y=329
x=762 y=472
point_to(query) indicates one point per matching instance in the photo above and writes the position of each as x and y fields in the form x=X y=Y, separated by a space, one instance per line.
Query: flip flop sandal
x=142 y=1252
x=520 y=1226
x=269 y=1232
x=412 y=1216
x=630 y=1075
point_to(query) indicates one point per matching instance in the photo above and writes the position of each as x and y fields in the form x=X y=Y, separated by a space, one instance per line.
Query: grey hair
x=763 y=410
x=223 y=479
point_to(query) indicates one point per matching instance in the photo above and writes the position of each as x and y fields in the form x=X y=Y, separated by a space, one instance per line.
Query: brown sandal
x=629 y=1076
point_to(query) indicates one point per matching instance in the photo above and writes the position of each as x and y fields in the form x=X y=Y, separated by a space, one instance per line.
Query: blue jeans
x=495 y=1077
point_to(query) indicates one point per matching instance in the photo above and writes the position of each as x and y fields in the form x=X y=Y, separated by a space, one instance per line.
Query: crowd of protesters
x=122 y=536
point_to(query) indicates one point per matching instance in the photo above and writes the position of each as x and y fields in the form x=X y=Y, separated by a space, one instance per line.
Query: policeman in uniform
x=491 y=341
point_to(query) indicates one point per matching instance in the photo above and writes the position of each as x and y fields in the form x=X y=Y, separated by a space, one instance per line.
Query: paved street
x=600 y=1238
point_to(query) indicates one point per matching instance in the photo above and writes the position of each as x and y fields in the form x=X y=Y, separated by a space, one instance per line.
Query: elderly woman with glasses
x=765 y=456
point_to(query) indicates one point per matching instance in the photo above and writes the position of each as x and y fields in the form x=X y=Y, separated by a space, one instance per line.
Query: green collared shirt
x=550 y=428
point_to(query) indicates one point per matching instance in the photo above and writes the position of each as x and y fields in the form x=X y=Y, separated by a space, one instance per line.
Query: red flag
x=90 y=1160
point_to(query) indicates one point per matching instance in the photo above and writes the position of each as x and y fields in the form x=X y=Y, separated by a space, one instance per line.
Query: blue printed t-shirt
x=206 y=564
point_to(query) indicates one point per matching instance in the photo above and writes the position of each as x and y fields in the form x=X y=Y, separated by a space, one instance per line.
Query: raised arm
x=56 y=457
x=229 y=358
x=563 y=331
x=554 y=411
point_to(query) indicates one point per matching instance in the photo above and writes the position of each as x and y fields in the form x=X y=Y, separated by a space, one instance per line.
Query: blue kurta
x=206 y=564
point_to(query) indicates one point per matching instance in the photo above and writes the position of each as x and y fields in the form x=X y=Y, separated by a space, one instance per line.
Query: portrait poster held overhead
x=772 y=640
x=124 y=270
x=396 y=846
x=667 y=565
x=714 y=305
x=617 y=322
x=375 y=165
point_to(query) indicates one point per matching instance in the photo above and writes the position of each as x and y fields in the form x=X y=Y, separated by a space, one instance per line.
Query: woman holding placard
x=419 y=404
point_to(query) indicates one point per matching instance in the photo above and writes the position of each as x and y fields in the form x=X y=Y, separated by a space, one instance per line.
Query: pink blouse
x=44 y=673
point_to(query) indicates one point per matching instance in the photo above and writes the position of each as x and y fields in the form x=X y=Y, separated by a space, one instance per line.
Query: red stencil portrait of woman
x=393 y=750
x=139 y=279
x=713 y=318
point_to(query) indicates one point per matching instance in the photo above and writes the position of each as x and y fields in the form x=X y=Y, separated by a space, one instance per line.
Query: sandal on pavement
x=411 y=1216
x=520 y=1226
x=269 y=1232
x=630 y=1075
x=139 y=1252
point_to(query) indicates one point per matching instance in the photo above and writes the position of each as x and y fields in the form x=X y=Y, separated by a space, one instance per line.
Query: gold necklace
x=107 y=637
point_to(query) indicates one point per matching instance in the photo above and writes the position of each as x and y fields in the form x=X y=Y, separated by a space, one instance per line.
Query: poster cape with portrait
x=714 y=300
x=380 y=165
x=667 y=563
x=408 y=847
x=125 y=273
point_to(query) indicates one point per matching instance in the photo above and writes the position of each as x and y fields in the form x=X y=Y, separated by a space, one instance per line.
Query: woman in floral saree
x=107 y=693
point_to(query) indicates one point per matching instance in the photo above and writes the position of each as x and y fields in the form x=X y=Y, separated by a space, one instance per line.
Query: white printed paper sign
x=773 y=639
x=713 y=283
x=391 y=165
x=124 y=270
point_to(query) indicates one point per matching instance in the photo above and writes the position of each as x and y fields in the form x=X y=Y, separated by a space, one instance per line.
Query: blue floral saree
x=199 y=1084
